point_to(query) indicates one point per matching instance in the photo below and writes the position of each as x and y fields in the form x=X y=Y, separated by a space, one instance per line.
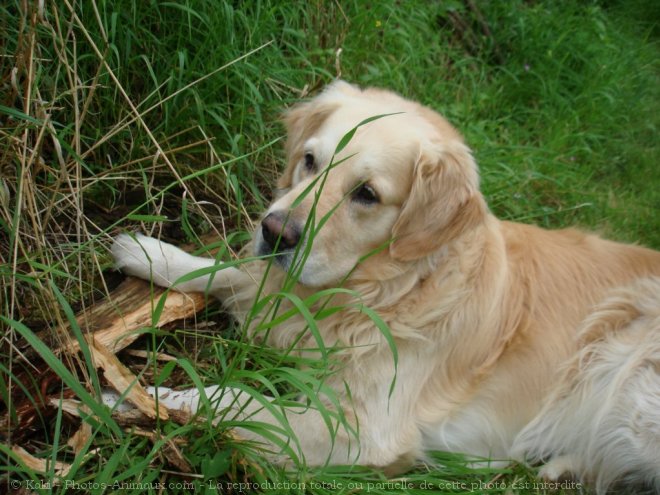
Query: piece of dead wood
x=71 y=406
x=79 y=439
x=115 y=321
x=133 y=417
x=138 y=424
x=129 y=418
x=124 y=381
x=40 y=465
x=159 y=356
x=170 y=449
x=174 y=456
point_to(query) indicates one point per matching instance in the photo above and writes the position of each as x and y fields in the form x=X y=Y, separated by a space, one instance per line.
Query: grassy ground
x=162 y=116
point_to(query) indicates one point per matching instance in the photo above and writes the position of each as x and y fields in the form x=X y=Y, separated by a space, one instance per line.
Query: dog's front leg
x=166 y=265
x=297 y=432
x=336 y=433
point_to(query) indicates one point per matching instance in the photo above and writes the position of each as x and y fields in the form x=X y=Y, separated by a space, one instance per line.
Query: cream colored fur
x=486 y=314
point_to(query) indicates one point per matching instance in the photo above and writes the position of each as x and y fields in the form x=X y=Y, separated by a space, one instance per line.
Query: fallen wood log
x=113 y=324
x=123 y=380
x=115 y=321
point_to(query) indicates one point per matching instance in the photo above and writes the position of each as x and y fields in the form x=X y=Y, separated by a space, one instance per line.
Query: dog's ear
x=444 y=202
x=301 y=121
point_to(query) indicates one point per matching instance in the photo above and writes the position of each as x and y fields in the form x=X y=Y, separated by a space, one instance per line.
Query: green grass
x=163 y=116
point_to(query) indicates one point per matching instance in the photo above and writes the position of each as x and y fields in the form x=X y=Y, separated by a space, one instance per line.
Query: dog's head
x=403 y=186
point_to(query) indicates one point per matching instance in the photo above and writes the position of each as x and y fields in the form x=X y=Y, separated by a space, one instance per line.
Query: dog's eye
x=310 y=164
x=365 y=194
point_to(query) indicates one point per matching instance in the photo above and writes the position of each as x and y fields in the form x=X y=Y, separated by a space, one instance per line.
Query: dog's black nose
x=279 y=232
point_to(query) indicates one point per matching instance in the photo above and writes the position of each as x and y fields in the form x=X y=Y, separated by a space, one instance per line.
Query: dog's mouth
x=283 y=258
x=288 y=260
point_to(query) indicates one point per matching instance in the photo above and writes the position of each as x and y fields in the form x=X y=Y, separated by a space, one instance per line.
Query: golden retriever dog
x=458 y=332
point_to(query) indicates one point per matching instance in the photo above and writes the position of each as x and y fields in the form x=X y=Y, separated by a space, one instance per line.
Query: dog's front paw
x=143 y=257
x=559 y=468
